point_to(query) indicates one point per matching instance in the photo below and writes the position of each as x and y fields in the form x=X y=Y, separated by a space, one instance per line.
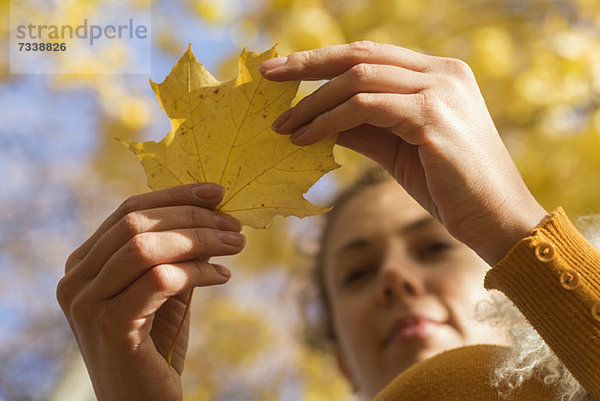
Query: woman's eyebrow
x=354 y=244
x=363 y=242
x=417 y=225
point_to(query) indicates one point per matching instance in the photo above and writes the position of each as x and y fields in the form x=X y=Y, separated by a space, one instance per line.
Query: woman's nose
x=399 y=279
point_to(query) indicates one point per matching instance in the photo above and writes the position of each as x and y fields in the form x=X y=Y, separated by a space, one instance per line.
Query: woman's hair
x=529 y=357
x=529 y=354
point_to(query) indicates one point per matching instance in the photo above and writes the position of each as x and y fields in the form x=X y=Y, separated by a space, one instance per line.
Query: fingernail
x=222 y=270
x=209 y=191
x=299 y=133
x=231 y=238
x=281 y=120
x=272 y=63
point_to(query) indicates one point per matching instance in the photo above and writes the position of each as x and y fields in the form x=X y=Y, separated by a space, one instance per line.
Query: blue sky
x=44 y=135
x=46 y=138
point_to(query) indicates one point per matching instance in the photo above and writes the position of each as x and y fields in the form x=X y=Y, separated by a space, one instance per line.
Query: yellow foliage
x=493 y=50
x=213 y=11
x=538 y=67
x=221 y=132
x=112 y=168
x=135 y=113
x=309 y=28
x=323 y=381
x=262 y=252
x=199 y=393
x=235 y=336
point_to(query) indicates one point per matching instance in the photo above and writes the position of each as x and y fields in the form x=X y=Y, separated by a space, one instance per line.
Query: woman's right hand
x=424 y=120
x=125 y=289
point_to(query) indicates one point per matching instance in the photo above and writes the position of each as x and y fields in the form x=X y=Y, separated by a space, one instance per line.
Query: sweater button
x=596 y=311
x=545 y=251
x=569 y=279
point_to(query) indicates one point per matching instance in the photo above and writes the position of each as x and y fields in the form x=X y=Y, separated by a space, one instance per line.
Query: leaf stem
x=185 y=312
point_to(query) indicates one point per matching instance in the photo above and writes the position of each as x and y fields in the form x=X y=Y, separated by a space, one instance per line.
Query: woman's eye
x=355 y=275
x=437 y=247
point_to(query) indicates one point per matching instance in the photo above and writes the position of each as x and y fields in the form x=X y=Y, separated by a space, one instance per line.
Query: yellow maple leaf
x=221 y=132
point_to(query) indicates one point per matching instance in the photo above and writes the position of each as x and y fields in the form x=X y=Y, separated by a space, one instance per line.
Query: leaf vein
x=237 y=132
x=193 y=127
x=259 y=175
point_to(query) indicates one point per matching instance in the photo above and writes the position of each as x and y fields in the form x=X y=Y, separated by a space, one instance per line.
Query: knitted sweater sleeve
x=553 y=277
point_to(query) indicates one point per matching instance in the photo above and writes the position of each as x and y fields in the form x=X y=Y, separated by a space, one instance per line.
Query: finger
x=398 y=157
x=204 y=194
x=146 y=250
x=400 y=113
x=368 y=78
x=151 y=220
x=377 y=144
x=149 y=292
x=328 y=62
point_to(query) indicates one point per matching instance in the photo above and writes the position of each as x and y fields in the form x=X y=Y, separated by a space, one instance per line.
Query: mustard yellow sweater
x=553 y=277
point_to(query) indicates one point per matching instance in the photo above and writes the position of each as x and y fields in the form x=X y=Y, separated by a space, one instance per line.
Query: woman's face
x=401 y=288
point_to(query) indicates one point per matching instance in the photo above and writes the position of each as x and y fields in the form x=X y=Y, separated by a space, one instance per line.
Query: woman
x=423 y=120
x=398 y=289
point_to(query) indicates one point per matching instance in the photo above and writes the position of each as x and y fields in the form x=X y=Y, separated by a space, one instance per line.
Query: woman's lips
x=410 y=328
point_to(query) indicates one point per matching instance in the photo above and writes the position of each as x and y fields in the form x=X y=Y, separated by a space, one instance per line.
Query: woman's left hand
x=424 y=120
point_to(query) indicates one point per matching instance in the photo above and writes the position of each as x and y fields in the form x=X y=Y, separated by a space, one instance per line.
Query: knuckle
x=362 y=47
x=196 y=215
x=431 y=104
x=63 y=293
x=200 y=270
x=203 y=267
x=361 y=72
x=449 y=84
x=138 y=247
x=129 y=205
x=72 y=261
x=304 y=58
x=160 y=278
x=79 y=310
x=361 y=100
x=456 y=67
x=133 y=223
x=200 y=238
x=423 y=99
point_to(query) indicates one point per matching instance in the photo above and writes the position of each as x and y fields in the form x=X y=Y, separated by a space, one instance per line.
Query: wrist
x=509 y=230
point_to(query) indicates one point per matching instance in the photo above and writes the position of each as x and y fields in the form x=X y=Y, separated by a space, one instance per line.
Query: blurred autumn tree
x=538 y=66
